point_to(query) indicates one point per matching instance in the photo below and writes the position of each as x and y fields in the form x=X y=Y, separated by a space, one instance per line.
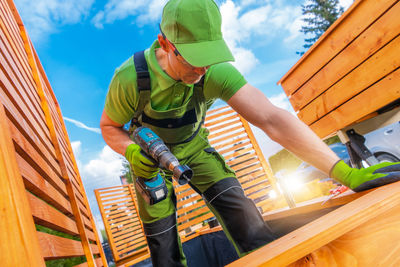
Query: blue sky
x=81 y=42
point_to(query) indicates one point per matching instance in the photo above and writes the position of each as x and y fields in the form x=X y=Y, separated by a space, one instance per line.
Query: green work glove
x=366 y=178
x=142 y=165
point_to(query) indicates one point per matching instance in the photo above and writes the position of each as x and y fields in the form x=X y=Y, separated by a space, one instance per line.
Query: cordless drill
x=154 y=190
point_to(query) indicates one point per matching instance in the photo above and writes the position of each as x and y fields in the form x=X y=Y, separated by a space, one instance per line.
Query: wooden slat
x=209 y=118
x=19 y=241
x=29 y=153
x=215 y=110
x=55 y=247
x=195 y=221
x=234 y=147
x=45 y=215
x=225 y=138
x=130 y=240
x=360 y=106
x=383 y=62
x=135 y=246
x=15 y=88
x=192 y=214
x=366 y=215
x=128 y=233
x=369 y=42
x=220 y=122
x=228 y=130
x=359 y=16
x=186 y=201
x=190 y=208
x=36 y=184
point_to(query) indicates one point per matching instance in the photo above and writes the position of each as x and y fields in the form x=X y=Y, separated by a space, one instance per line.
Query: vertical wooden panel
x=19 y=244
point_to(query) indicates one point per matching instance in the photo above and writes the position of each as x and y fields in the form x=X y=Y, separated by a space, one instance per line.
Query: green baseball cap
x=194 y=27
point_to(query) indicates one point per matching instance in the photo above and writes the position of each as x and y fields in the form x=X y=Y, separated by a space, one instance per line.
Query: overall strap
x=143 y=85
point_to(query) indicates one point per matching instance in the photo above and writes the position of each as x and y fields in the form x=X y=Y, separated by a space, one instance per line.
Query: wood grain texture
x=341 y=33
x=369 y=211
x=19 y=241
x=366 y=45
x=360 y=106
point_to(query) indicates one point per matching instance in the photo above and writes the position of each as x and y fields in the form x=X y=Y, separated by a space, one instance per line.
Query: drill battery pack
x=152 y=190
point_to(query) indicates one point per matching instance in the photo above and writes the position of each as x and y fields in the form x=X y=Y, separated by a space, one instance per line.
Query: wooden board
x=343 y=230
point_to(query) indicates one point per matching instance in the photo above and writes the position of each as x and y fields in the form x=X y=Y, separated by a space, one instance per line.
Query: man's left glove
x=366 y=178
x=142 y=165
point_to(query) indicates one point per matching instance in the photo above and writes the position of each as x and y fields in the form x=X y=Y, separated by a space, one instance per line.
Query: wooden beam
x=361 y=212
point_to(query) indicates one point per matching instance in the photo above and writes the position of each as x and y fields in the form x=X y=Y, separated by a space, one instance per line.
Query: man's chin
x=192 y=80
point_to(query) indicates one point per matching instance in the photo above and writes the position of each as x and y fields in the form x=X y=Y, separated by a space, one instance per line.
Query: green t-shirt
x=222 y=81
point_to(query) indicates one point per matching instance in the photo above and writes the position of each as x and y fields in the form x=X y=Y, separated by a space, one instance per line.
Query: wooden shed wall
x=39 y=154
x=352 y=71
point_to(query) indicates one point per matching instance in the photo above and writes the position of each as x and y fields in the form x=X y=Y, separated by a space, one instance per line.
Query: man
x=188 y=71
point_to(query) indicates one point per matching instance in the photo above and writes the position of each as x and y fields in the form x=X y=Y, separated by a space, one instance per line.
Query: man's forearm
x=294 y=135
x=117 y=138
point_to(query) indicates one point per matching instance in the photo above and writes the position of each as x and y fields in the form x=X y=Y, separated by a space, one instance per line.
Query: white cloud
x=43 y=17
x=82 y=125
x=146 y=12
x=240 y=25
x=345 y=3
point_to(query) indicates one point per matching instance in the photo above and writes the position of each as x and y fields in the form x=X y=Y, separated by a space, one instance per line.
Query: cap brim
x=207 y=53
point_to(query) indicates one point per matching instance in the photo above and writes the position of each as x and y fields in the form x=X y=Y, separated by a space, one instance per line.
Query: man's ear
x=163 y=43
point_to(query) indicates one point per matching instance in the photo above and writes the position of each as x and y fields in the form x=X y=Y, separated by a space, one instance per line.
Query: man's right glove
x=366 y=178
x=142 y=165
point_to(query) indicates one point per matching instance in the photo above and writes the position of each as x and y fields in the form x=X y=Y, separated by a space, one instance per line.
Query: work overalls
x=181 y=129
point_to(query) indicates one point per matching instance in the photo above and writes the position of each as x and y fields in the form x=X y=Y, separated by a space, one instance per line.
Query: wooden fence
x=352 y=71
x=231 y=136
x=39 y=179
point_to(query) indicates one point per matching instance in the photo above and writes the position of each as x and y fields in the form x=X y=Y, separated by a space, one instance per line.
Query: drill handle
x=144 y=154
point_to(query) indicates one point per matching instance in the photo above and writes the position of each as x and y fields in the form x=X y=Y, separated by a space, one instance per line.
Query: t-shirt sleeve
x=223 y=81
x=121 y=100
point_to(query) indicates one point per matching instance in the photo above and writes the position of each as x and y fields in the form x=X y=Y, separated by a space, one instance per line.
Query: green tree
x=127 y=171
x=319 y=15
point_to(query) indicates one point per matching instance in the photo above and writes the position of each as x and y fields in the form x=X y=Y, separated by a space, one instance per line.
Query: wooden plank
x=229 y=137
x=134 y=247
x=186 y=201
x=129 y=240
x=222 y=121
x=17 y=89
x=358 y=213
x=215 y=134
x=195 y=221
x=45 y=215
x=106 y=225
x=192 y=214
x=360 y=106
x=29 y=153
x=211 y=117
x=352 y=23
x=234 y=147
x=55 y=247
x=375 y=243
x=237 y=154
x=36 y=184
x=224 y=124
x=127 y=233
x=19 y=241
x=190 y=208
x=367 y=44
x=215 y=110
x=383 y=62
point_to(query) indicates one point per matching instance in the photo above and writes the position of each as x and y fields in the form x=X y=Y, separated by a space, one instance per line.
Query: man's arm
x=114 y=135
x=282 y=127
